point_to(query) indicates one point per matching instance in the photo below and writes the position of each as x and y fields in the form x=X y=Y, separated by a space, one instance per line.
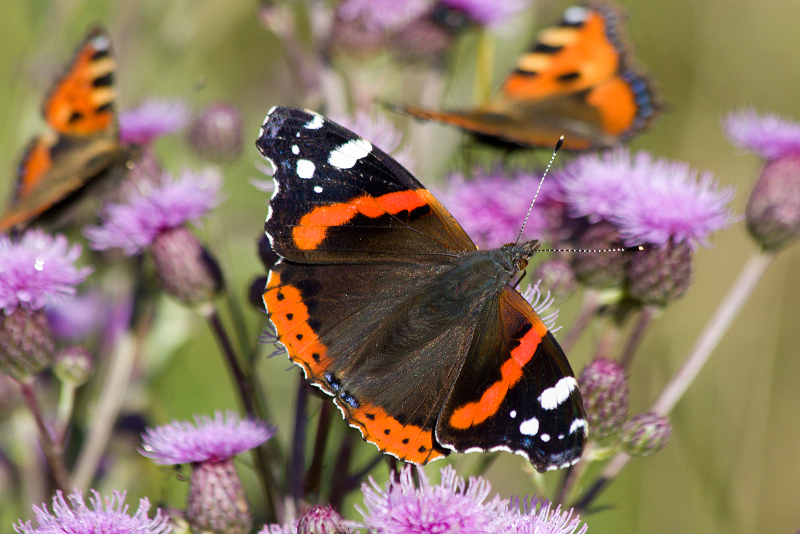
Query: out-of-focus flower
x=80 y=316
x=321 y=520
x=144 y=124
x=135 y=225
x=108 y=515
x=491 y=206
x=488 y=12
x=382 y=14
x=37 y=271
x=216 y=500
x=557 y=277
x=450 y=507
x=645 y=434
x=604 y=389
x=216 y=133
x=73 y=365
x=773 y=210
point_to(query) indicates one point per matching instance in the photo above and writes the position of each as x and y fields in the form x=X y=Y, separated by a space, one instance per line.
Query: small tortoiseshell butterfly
x=388 y=306
x=577 y=81
x=84 y=141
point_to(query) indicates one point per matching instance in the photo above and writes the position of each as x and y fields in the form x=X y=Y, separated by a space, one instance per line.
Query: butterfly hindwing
x=578 y=80
x=84 y=141
x=520 y=394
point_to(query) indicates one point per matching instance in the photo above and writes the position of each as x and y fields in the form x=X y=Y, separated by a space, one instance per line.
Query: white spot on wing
x=576 y=15
x=318 y=189
x=545 y=437
x=345 y=156
x=576 y=424
x=315 y=123
x=295 y=150
x=513 y=414
x=273 y=108
x=552 y=397
x=101 y=42
x=529 y=427
x=305 y=169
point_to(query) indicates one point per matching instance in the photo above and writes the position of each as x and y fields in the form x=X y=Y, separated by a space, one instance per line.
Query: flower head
x=106 y=516
x=216 y=133
x=133 y=226
x=488 y=12
x=206 y=440
x=38 y=271
x=769 y=136
x=526 y=520
x=450 y=507
x=383 y=14
x=649 y=200
x=491 y=206
x=152 y=119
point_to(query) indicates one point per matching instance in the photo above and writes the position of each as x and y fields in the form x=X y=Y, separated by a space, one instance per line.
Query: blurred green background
x=733 y=464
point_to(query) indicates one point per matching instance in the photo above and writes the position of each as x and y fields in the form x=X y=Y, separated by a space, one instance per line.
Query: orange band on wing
x=37 y=161
x=410 y=442
x=290 y=316
x=477 y=412
x=616 y=103
x=313 y=226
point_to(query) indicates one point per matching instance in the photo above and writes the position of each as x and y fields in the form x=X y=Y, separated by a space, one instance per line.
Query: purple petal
x=769 y=136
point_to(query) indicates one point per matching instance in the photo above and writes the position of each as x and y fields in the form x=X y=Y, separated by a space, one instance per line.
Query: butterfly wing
x=519 y=394
x=577 y=81
x=85 y=141
x=338 y=198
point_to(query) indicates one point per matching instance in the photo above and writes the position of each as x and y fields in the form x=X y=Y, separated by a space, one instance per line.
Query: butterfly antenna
x=636 y=248
x=546 y=170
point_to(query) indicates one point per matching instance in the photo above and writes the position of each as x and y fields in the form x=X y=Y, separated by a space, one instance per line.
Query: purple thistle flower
x=383 y=14
x=649 y=200
x=152 y=119
x=379 y=131
x=79 y=317
x=133 y=226
x=38 y=271
x=491 y=206
x=546 y=521
x=488 y=12
x=449 y=507
x=106 y=516
x=279 y=529
x=769 y=136
x=207 y=440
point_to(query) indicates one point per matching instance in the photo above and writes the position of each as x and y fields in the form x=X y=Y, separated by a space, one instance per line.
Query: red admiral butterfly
x=388 y=306
x=578 y=81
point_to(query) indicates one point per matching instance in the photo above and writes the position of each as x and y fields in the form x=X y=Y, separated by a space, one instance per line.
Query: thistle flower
x=604 y=388
x=108 y=515
x=155 y=219
x=321 y=520
x=216 y=133
x=36 y=272
x=645 y=434
x=491 y=206
x=382 y=14
x=525 y=519
x=144 y=124
x=216 y=500
x=450 y=507
x=773 y=210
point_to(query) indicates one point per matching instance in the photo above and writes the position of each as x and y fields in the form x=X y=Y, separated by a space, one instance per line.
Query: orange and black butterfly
x=578 y=81
x=83 y=141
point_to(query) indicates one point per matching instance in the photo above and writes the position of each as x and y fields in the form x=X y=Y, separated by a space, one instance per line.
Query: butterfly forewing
x=339 y=198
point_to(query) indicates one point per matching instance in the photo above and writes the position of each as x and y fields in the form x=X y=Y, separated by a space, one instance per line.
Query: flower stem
x=708 y=340
x=296 y=466
x=314 y=475
x=591 y=303
x=53 y=452
x=645 y=317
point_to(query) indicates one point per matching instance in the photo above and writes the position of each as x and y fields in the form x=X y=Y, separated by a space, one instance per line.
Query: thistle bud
x=184 y=267
x=660 y=274
x=216 y=501
x=26 y=343
x=604 y=388
x=216 y=134
x=645 y=434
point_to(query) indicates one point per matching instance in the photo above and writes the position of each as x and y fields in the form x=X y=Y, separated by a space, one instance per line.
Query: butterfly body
x=578 y=81
x=387 y=305
x=84 y=139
